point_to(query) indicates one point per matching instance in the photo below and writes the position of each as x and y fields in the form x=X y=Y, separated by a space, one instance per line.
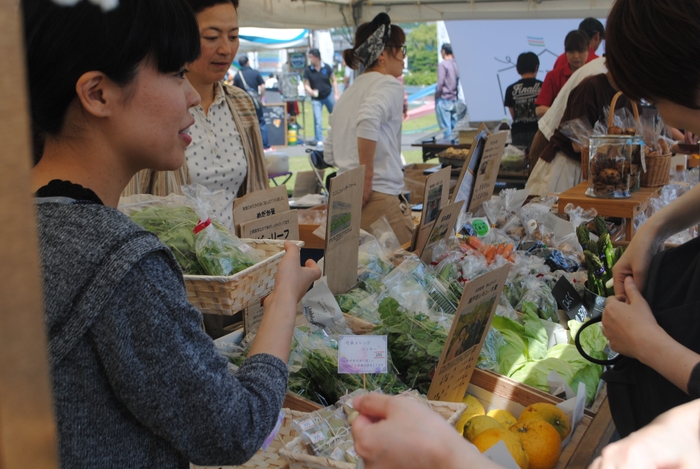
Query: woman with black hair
x=227 y=148
x=366 y=124
x=136 y=382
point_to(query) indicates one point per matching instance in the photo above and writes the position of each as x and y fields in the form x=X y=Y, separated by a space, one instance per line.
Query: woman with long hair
x=136 y=382
x=366 y=124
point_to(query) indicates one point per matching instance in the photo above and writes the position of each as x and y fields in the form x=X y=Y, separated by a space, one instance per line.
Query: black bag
x=257 y=102
x=638 y=394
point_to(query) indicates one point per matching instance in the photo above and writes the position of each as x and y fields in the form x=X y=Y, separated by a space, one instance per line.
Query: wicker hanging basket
x=658 y=171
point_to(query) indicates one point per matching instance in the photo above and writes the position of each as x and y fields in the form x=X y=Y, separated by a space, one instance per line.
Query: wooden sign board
x=280 y=226
x=467 y=335
x=343 y=230
x=259 y=204
x=437 y=192
x=487 y=173
x=275 y=116
x=442 y=228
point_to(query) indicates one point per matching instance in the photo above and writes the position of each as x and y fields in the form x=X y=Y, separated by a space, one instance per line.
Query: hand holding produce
x=400 y=433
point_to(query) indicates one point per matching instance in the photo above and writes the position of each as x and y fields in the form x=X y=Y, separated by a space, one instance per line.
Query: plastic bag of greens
x=538 y=298
x=219 y=251
x=173 y=221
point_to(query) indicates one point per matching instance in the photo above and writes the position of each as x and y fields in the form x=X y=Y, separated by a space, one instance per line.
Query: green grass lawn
x=425 y=123
x=301 y=163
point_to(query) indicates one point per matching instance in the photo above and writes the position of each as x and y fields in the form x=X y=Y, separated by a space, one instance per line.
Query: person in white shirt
x=366 y=124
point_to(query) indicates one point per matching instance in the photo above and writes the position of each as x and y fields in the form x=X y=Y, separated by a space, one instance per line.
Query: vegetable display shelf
x=622 y=208
x=493 y=390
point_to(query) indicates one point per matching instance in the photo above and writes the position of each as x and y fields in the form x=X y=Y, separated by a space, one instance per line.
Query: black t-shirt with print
x=521 y=96
x=320 y=80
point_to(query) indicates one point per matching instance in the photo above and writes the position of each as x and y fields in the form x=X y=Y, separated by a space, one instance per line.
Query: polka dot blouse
x=215 y=158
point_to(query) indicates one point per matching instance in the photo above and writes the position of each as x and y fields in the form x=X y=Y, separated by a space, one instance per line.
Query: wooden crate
x=496 y=391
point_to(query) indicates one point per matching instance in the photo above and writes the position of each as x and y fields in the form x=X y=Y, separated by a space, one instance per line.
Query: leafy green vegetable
x=415 y=342
x=314 y=373
x=213 y=251
x=535 y=373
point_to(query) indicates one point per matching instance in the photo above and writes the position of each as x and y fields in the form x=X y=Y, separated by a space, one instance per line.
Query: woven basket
x=270 y=458
x=296 y=454
x=229 y=294
x=658 y=171
x=584 y=162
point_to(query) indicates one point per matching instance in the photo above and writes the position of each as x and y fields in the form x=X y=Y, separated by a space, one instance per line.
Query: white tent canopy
x=323 y=14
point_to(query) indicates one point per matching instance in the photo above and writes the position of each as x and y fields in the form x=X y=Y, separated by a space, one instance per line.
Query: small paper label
x=337 y=454
x=352 y=452
x=306 y=424
x=316 y=437
x=358 y=354
x=244 y=247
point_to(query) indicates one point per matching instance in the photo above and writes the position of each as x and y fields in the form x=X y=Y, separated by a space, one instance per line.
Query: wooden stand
x=622 y=208
x=27 y=428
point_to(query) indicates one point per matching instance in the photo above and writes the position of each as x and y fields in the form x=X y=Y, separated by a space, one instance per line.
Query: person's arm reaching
x=541 y=110
x=441 y=80
x=395 y=432
x=274 y=335
x=366 y=149
x=308 y=89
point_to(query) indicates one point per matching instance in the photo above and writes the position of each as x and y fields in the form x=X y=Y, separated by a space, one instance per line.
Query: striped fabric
x=162 y=183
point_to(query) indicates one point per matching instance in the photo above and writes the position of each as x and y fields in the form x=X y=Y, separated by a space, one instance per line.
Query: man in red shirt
x=576 y=46
x=595 y=31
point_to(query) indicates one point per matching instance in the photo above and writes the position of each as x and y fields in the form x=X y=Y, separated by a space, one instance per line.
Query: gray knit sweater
x=136 y=382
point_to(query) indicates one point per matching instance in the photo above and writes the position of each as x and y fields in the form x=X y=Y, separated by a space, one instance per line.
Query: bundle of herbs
x=415 y=341
x=600 y=256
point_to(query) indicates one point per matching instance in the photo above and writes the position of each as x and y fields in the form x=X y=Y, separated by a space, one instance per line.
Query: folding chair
x=317 y=163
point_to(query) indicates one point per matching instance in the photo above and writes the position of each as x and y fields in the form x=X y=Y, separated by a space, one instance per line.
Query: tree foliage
x=421 y=45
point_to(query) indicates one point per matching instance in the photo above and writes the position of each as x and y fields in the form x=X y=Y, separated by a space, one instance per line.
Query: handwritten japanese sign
x=360 y=354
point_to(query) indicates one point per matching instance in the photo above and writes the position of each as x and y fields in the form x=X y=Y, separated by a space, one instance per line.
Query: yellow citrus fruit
x=550 y=414
x=503 y=416
x=490 y=437
x=473 y=405
x=478 y=424
x=474 y=408
x=541 y=441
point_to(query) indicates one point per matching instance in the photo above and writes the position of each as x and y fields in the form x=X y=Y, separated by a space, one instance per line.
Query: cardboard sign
x=467 y=335
x=281 y=226
x=488 y=170
x=437 y=191
x=343 y=230
x=362 y=354
x=260 y=204
x=306 y=183
x=569 y=300
x=252 y=315
x=465 y=183
x=442 y=228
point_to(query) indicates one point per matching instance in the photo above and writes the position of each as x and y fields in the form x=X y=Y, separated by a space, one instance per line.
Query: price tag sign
x=362 y=354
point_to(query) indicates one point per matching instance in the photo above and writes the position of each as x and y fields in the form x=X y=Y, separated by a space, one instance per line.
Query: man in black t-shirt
x=520 y=100
x=319 y=82
x=250 y=80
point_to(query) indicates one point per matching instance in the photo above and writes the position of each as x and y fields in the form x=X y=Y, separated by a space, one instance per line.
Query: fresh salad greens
x=212 y=251
x=415 y=342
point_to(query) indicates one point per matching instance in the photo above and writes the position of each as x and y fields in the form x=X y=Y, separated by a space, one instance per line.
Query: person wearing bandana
x=366 y=124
